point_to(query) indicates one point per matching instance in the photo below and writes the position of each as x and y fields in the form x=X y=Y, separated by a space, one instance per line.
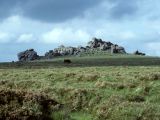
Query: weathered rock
x=95 y=43
x=113 y=49
x=120 y=49
x=28 y=55
x=51 y=54
x=139 y=53
x=93 y=46
x=101 y=45
x=65 y=50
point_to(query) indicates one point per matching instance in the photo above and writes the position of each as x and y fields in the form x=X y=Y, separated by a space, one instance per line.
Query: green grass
x=96 y=92
x=88 y=61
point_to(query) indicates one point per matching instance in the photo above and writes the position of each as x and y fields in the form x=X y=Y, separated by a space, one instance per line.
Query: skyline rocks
x=92 y=46
x=28 y=55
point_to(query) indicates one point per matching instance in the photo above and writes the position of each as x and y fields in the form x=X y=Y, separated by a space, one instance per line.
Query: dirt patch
x=18 y=104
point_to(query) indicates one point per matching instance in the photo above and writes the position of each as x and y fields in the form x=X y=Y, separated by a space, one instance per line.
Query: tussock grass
x=150 y=77
x=19 y=104
x=100 y=93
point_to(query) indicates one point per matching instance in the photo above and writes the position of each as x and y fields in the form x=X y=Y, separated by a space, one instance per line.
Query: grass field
x=90 y=88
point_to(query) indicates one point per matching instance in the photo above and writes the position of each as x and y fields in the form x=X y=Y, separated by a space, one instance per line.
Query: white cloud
x=153 y=48
x=25 y=38
x=127 y=35
x=65 y=36
x=4 y=37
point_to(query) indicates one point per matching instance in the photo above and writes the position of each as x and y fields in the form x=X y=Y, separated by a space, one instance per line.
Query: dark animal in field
x=68 y=61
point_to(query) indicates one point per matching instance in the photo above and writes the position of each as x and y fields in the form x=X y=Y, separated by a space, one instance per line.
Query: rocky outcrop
x=101 y=45
x=28 y=55
x=51 y=54
x=64 y=51
x=92 y=47
x=117 y=49
x=139 y=53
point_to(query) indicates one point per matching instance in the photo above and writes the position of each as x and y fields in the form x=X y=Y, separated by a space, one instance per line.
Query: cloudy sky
x=46 y=24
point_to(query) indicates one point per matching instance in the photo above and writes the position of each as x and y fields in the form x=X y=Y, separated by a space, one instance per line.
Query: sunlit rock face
x=101 y=45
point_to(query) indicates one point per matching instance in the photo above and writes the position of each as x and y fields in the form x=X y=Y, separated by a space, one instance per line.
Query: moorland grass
x=86 y=93
x=87 y=61
x=92 y=87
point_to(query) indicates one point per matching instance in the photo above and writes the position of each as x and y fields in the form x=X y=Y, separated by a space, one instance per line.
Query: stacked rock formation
x=105 y=46
x=94 y=45
x=64 y=51
x=28 y=55
x=139 y=53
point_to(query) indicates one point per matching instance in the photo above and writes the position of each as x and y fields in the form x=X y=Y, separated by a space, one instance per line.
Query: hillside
x=87 y=61
x=80 y=93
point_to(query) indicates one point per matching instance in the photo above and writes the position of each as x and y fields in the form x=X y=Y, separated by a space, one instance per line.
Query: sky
x=46 y=24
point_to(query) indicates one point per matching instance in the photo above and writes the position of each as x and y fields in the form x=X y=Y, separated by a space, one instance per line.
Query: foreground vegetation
x=80 y=93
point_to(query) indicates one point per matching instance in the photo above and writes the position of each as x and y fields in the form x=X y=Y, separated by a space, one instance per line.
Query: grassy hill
x=88 y=61
x=109 y=87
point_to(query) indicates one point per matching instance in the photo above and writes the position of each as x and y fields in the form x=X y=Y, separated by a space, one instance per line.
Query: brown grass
x=115 y=85
x=19 y=104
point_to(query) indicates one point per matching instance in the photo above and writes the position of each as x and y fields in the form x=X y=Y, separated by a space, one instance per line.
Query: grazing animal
x=67 y=61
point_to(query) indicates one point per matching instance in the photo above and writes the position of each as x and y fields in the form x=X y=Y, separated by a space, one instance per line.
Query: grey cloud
x=46 y=10
x=123 y=8
x=57 y=10
x=6 y=8
x=62 y=10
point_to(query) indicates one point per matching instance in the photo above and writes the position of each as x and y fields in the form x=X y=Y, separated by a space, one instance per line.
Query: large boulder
x=51 y=54
x=95 y=43
x=101 y=45
x=117 y=49
x=120 y=49
x=28 y=55
x=113 y=49
x=139 y=53
x=65 y=50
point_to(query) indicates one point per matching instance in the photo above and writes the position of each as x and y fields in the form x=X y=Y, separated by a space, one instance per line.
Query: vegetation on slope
x=83 y=93
x=88 y=60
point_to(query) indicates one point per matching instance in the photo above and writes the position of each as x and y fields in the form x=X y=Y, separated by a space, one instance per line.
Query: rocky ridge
x=92 y=46
x=28 y=55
